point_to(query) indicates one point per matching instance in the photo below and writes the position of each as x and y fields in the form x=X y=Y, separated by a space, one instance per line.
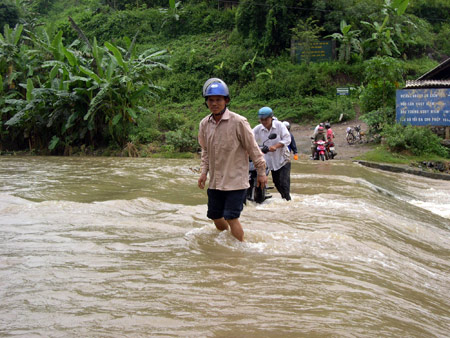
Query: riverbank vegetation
x=126 y=76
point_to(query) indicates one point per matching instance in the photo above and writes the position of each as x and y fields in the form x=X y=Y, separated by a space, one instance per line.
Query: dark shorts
x=226 y=204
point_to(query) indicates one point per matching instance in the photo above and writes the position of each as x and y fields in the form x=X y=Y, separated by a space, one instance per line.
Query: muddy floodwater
x=121 y=247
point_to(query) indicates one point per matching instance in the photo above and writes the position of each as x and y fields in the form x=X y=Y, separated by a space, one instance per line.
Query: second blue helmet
x=265 y=112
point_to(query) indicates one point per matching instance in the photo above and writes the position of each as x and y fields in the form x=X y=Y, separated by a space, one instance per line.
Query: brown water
x=112 y=247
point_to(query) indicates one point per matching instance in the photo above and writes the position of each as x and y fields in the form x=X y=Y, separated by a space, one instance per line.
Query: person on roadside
x=316 y=129
x=330 y=133
x=292 y=146
x=331 y=148
x=227 y=141
x=319 y=136
x=278 y=158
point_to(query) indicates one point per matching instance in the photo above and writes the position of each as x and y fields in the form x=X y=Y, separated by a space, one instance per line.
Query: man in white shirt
x=277 y=157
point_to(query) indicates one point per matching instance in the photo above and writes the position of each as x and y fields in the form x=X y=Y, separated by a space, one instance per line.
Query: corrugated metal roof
x=438 y=77
x=427 y=84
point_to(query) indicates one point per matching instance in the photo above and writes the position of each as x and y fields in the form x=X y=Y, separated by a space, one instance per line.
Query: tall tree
x=267 y=23
x=306 y=33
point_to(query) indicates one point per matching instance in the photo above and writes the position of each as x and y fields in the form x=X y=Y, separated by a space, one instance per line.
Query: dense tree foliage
x=100 y=79
x=9 y=13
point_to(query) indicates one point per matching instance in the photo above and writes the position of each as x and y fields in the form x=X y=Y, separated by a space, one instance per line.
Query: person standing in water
x=292 y=146
x=278 y=157
x=226 y=140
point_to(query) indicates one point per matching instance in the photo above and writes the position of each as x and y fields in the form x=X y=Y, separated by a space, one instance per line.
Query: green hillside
x=86 y=74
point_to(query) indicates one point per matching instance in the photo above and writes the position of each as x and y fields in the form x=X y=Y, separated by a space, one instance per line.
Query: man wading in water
x=227 y=141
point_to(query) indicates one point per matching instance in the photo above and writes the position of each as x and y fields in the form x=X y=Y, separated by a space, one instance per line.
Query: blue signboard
x=423 y=107
x=342 y=91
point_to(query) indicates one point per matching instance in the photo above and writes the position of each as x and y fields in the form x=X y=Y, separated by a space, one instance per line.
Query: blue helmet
x=265 y=112
x=215 y=86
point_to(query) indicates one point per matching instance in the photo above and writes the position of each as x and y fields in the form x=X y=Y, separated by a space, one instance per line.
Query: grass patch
x=382 y=155
x=173 y=155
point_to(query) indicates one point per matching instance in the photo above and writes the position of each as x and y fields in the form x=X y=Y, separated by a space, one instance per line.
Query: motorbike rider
x=316 y=129
x=330 y=138
x=330 y=133
x=319 y=136
x=293 y=146
x=227 y=141
x=278 y=158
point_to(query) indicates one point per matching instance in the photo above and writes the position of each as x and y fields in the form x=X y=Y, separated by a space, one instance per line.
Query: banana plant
x=10 y=56
x=10 y=39
x=30 y=113
x=50 y=108
x=382 y=40
x=66 y=92
x=14 y=69
x=268 y=73
x=78 y=96
x=171 y=12
x=250 y=63
x=123 y=82
x=348 y=40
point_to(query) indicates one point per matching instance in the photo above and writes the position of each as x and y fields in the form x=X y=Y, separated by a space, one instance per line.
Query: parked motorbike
x=350 y=136
x=320 y=150
x=254 y=193
x=354 y=134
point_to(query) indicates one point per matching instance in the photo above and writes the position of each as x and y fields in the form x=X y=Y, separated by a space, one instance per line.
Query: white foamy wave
x=441 y=209
x=431 y=195
x=7 y=199
x=11 y=205
x=322 y=247
x=141 y=214
x=313 y=244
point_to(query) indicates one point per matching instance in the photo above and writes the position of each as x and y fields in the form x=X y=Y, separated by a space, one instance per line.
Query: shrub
x=108 y=25
x=145 y=135
x=417 y=140
x=377 y=95
x=171 y=121
x=183 y=140
x=377 y=119
x=313 y=106
x=417 y=67
x=181 y=87
x=442 y=40
x=382 y=75
x=202 y=18
x=342 y=105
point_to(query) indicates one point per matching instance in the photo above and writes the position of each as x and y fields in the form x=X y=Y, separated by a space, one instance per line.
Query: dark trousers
x=282 y=180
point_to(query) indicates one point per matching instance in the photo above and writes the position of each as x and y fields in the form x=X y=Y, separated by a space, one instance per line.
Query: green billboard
x=319 y=51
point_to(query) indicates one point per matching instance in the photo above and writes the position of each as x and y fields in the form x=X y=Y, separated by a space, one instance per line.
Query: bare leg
x=221 y=224
x=236 y=229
